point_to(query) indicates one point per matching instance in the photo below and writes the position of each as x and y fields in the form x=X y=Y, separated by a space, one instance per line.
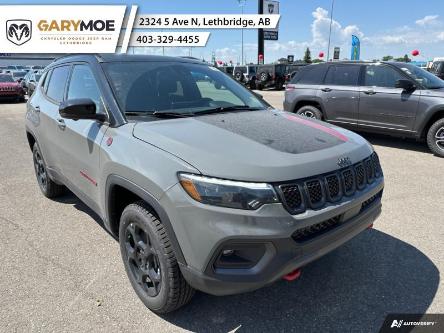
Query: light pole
x=242 y=4
x=329 y=34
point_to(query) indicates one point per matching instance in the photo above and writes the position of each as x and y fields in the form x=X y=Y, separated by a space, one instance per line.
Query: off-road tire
x=435 y=138
x=264 y=76
x=173 y=291
x=49 y=188
x=238 y=76
x=310 y=112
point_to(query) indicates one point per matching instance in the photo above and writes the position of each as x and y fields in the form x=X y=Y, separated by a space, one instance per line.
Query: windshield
x=183 y=88
x=6 y=78
x=425 y=78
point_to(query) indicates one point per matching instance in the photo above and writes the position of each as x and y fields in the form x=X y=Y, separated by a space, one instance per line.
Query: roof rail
x=97 y=55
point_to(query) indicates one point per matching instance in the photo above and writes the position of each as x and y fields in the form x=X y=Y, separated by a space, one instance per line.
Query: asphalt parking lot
x=60 y=271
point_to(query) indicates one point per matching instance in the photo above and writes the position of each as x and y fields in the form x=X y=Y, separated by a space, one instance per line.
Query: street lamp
x=329 y=34
x=242 y=4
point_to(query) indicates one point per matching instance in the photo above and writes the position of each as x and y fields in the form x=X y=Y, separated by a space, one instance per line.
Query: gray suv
x=392 y=98
x=204 y=185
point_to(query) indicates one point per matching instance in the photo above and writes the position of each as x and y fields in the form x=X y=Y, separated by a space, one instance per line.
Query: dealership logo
x=396 y=323
x=76 y=25
x=18 y=31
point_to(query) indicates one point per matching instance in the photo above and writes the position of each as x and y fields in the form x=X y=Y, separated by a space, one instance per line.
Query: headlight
x=227 y=193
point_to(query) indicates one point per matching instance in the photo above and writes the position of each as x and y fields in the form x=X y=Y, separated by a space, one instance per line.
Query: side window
x=57 y=82
x=84 y=85
x=313 y=74
x=343 y=75
x=381 y=76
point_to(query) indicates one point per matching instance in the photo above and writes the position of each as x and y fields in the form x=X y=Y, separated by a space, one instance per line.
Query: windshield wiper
x=159 y=114
x=228 y=109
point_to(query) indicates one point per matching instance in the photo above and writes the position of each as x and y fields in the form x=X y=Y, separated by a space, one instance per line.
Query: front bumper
x=204 y=231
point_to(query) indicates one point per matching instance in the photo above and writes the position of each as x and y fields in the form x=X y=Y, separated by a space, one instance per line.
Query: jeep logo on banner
x=271 y=7
x=18 y=31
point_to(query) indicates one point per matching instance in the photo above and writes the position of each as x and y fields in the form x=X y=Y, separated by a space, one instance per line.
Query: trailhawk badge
x=18 y=31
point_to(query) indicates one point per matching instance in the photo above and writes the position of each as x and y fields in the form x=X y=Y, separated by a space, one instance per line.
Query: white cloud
x=440 y=36
x=428 y=20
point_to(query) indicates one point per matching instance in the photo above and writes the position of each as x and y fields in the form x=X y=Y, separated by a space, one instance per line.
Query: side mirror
x=81 y=108
x=405 y=85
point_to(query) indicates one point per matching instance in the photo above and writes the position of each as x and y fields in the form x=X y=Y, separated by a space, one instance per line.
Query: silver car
x=204 y=184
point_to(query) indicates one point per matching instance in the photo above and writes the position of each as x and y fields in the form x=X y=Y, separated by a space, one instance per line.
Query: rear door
x=46 y=104
x=80 y=140
x=382 y=105
x=340 y=94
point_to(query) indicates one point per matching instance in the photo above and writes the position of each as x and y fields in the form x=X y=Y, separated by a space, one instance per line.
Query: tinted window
x=313 y=74
x=343 y=75
x=425 y=78
x=84 y=85
x=381 y=76
x=57 y=81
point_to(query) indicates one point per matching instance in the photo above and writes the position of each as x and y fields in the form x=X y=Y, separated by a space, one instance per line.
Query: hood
x=433 y=92
x=9 y=84
x=255 y=145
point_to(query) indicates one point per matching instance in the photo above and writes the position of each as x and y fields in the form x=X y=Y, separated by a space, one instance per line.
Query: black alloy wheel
x=143 y=259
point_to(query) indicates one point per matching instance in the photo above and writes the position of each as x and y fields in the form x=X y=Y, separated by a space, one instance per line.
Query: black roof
x=123 y=58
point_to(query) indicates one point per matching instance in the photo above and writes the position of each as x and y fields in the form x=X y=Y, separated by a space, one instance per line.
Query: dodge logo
x=344 y=162
x=18 y=31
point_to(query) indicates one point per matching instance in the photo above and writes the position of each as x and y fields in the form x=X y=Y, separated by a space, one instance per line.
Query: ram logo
x=18 y=31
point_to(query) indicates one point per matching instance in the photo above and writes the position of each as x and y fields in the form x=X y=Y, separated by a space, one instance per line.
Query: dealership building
x=26 y=59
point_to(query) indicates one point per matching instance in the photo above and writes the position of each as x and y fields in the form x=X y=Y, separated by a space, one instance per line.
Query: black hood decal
x=278 y=130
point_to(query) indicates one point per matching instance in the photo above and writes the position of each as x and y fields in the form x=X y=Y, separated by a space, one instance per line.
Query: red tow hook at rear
x=293 y=275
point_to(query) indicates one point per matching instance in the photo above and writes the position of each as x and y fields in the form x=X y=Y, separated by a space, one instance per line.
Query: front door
x=80 y=139
x=381 y=104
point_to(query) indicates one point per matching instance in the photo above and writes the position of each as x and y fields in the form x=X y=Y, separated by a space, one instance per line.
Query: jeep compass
x=204 y=185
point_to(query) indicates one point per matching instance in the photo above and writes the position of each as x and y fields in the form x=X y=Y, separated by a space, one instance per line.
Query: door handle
x=370 y=92
x=61 y=123
x=326 y=89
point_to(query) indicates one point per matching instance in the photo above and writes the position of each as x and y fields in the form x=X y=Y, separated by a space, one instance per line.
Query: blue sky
x=394 y=27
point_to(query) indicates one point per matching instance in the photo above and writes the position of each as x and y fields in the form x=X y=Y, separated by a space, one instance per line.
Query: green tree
x=315 y=61
x=387 y=58
x=307 y=56
x=405 y=58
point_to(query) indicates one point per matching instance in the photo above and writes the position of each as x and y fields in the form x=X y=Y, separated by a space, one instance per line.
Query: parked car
x=438 y=69
x=246 y=75
x=16 y=68
x=204 y=185
x=393 y=98
x=227 y=70
x=18 y=75
x=271 y=76
x=10 y=89
x=33 y=81
x=29 y=77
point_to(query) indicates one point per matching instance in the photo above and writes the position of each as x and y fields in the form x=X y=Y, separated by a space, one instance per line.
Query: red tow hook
x=292 y=275
x=370 y=226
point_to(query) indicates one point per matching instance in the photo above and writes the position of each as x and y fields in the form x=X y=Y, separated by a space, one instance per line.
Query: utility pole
x=242 y=4
x=260 y=36
x=329 y=34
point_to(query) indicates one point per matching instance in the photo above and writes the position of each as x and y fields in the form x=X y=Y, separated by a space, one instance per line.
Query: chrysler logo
x=18 y=31
x=344 y=162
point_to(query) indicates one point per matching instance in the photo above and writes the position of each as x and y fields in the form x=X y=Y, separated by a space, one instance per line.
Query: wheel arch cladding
x=439 y=114
x=121 y=192
x=31 y=139
x=314 y=103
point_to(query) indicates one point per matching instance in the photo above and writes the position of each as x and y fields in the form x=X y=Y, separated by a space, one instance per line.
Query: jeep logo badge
x=344 y=162
x=18 y=31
